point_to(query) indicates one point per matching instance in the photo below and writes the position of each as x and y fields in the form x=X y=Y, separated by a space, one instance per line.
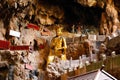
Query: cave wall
x=16 y=14
x=98 y=13
x=109 y=19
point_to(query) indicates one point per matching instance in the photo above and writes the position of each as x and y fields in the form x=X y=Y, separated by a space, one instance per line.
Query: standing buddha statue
x=58 y=46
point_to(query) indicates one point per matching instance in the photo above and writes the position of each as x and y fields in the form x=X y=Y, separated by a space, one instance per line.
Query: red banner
x=4 y=44
x=19 y=47
x=33 y=26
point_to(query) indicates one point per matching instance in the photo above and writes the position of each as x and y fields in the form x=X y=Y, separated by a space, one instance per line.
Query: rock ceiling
x=50 y=12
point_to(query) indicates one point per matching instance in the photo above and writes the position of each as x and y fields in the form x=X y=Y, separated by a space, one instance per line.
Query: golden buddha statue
x=58 y=46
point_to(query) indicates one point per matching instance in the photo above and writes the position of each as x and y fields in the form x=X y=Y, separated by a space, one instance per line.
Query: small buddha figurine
x=58 y=46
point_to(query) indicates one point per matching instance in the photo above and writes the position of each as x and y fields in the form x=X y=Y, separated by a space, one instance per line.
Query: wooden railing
x=110 y=64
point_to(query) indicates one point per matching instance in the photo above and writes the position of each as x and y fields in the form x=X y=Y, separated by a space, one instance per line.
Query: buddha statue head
x=58 y=30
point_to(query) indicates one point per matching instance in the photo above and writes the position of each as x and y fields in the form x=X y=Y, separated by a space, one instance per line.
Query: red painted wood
x=19 y=47
x=30 y=25
x=4 y=44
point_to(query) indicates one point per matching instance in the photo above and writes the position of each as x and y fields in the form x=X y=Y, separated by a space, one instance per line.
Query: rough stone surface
x=16 y=14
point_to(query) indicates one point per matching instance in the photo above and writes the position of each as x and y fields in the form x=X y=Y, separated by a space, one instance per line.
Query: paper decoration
x=27 y=66
x=101 y=37
x=14 y=33
x=30 y=25
x=15 y=5
x=19 y=47
x=114 y=34
x=92 y=37
x=4 y=44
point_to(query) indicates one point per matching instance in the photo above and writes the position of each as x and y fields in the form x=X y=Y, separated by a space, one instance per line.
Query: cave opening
x=76 y=13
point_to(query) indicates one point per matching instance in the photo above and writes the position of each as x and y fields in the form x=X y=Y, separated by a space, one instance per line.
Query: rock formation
x=103 y=15
x=57 y=12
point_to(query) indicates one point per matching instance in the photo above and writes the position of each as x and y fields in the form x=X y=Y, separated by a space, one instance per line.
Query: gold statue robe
x=57 y=48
